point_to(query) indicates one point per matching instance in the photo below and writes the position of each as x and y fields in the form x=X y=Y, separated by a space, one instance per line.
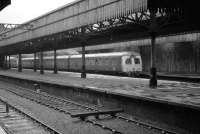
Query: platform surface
x=183 y=93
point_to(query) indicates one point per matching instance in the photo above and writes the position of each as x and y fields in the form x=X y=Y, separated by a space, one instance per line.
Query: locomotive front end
x=132 y=65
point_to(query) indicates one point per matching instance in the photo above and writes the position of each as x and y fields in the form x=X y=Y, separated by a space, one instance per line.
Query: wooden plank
x=83 y=115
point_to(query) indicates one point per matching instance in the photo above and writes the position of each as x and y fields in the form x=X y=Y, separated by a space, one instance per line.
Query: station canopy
x=189 y=8
x=182 y=16
x=4 y=3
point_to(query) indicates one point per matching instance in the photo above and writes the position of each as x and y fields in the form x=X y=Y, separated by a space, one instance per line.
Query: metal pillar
x=153 y=79
x=9 y=63
x=83 y=73
x=68 y=63
x=41 y=63
x=20 y=63
x=34 y=63
x=55 y=62
x=153 y=29
x=5 y=62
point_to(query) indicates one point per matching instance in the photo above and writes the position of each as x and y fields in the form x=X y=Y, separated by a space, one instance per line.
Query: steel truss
x=150 y=21
x=5 y=27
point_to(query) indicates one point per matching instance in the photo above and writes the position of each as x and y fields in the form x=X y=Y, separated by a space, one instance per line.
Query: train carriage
x=116 y=62
x=27 y=63
x=48 y=63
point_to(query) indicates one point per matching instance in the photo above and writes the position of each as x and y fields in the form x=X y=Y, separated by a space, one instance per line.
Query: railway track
x=15 y=121
x=116 y=123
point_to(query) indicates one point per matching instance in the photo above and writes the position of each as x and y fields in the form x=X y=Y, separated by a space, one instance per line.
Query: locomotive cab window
x=137 y=60
x=128 y=61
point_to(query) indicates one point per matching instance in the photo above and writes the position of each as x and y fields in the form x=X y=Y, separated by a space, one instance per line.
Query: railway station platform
x=179 y=93
x=190 y=77
x=173 y=105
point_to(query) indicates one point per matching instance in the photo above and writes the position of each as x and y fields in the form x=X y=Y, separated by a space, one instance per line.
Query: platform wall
x=174 y=57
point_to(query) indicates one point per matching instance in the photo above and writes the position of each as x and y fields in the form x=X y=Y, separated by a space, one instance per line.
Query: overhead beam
x=121 y=35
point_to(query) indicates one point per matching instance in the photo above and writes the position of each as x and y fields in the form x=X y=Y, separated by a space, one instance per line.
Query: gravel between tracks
x=64 y=123
x=59 y=121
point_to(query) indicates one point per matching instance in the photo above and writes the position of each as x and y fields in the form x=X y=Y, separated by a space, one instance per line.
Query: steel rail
x=46 y=103
x=54 y=98
x=44 y=125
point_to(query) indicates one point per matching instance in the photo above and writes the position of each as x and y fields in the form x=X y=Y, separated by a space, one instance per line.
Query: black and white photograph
x=99 y=67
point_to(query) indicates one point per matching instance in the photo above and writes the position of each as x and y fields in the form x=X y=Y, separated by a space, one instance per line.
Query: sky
x=21 y=11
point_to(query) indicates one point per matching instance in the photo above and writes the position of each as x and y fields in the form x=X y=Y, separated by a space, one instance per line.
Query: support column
x=68 y=63
x=9 y=63
x=41 y=63
x=6 y=62
x=153 y=72
x=34 y=63
x=83 y=73
x=55 y=62
x=153 y=30
x=19 y=63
